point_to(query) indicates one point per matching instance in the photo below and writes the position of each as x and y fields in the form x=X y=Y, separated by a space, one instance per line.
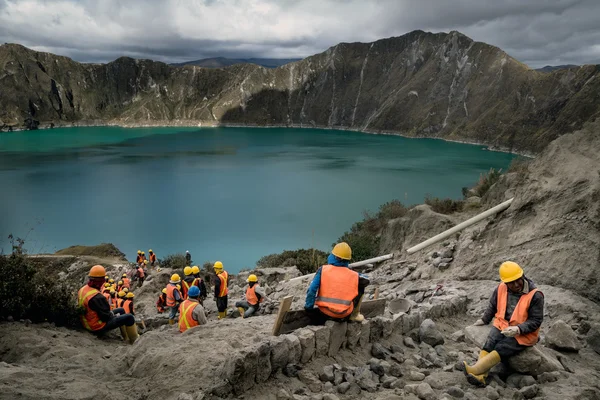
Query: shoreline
x=212 y=124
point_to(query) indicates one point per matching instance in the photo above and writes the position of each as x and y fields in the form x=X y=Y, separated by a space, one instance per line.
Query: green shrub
x=306 y=260
x=444 y=206
x=174 y=261
x=486 y=181
x=520 y=166
x=27 y=292
x=363 y=241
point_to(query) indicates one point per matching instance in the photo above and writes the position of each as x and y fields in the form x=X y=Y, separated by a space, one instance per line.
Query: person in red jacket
x=96 y=315
x=161 y=303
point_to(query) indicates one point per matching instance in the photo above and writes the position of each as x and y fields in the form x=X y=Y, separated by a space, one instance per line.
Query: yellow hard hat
x=164 y=290
x=126 y=289
x=130 y=295
x=111 y=280
x=143 y=253
x=342 y=250
x=139 y=252
x=187 y=271
x=145 y=261
x=178 y=287
x=120 y=283
x=124 y=276
x=97 y=271
x=252 y=278
x=510 y=271
x=112 y=291
x=107 y=284
x=150 y=251
x=121 y=293
x=195 y=269
x=175 y=278
x=218 y=265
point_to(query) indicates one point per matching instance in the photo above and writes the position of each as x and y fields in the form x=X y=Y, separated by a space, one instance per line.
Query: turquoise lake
x=229 y=194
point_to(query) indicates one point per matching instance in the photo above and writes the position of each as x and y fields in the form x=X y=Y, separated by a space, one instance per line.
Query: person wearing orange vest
x=139 y=259
x=336 y=290
x=188 y=281
x=144 y=257
x=152 y=258
x=128 y=303
x=106 y=291
x=96 y=315
x=121 y=298
x=191 y=312
x=161 y=303
x=126 y=281
x=141 y=275
x=253 y=297
x=517 y=307
x=173 y=297
x=221 y=291
x=113 y=300
x=200 y=283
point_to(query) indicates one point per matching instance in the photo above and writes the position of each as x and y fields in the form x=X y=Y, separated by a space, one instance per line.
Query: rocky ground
x=413 y=351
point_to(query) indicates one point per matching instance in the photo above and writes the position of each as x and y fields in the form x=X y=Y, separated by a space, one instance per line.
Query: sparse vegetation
x=102 y=250
x=486 y=181
x=306 y=260
x=175 y=261
x=444 y=206
x=27 y=292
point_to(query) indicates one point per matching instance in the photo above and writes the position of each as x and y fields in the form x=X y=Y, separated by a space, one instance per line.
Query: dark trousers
x=117 y=321
x=222 y=303
x=505 y=346
x=319 y=318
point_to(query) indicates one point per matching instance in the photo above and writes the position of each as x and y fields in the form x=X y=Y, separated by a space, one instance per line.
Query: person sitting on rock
x=199 y=283
x=140 y=275
x=253 y=297
x=161 y=303
x=518 y=309
x=191 y=312
x=128 y=303
x=336 y=290
x=96 y=315
x=121 y=298
x=113 y=299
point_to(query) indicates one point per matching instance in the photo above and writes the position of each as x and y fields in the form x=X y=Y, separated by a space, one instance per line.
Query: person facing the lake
x=188 y=258
x=200 y=283
x=152 y=258
x=173 y=297
x=139 y=259
x=96 y=315
x=336 y=290
x=518 y=311
x=140 y=275
x=221 y=291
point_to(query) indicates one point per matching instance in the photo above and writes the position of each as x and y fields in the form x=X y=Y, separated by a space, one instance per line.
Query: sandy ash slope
x=552 y=229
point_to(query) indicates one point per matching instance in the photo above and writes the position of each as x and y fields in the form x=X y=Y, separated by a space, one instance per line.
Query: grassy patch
x=306 y=260
x=444 y=206
x=104 y=250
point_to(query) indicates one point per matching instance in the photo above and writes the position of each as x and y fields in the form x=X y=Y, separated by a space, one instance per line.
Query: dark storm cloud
x=537 y=32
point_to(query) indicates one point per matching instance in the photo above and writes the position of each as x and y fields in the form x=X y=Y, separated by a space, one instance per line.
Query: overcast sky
x=536 y=32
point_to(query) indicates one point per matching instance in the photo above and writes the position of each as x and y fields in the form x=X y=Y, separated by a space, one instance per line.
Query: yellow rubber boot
x=222 y=314
x=242 y=311
x=356 y=316
x=123 y=332
x=171 y=322
x=132 y=333
x=477 y=373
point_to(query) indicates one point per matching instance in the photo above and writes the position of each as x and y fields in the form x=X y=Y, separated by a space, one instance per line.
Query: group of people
x=141 y=271
x=336 y=292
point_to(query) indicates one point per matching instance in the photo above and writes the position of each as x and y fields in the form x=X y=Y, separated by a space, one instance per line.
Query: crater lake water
x=229 y=194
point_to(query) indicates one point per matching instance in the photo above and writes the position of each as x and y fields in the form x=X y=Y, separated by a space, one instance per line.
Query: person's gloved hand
x=479 y=322
x=511 y=331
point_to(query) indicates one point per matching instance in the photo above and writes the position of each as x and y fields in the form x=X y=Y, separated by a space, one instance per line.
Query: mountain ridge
x=421 y=84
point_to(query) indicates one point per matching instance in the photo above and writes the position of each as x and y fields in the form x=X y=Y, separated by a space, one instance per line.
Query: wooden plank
x=284 y=307
x=376 y=295
x=296 y=319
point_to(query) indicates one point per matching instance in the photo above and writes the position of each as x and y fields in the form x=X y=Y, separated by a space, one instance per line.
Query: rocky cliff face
x=420 y=84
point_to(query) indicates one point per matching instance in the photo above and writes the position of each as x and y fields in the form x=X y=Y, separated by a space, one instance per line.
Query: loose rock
x=529 y=392
x=425 y=392
x=416 y=376
x=429 y=334
x=455 y=392
x=561 y=337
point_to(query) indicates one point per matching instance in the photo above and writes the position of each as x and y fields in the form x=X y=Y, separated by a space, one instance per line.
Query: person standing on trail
x=191 y=312
x=221 y=291
x=139 y=259
x=518 y=311
x=140 y=275
x=126 y=281
x=96 y=315
x=253 y=297
x=173 y=297
x=336 y=290
x=152 y=258
x=188 y=258
x=188 y=281
x=200 y=283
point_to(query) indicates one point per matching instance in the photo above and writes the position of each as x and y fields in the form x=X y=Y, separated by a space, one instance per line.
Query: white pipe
x=356 y=264
x=461 y=226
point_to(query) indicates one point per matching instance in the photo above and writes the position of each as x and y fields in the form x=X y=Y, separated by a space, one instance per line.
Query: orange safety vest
x=139 y=259
x=113 y=303
x=126 y=283
x=140 y=272
x=152 y=257
x=338 y=289
x=518 y=316
x=223 y=277
x=251 y=296
x=120 y=303
x=185 y=315
x=171 y=289
x=160 y=303
x=106 y=295
x=127 y=306
x=90 y=319
x=185 y=288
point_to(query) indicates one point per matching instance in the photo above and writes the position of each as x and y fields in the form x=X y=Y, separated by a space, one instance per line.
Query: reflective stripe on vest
x=186 y=321
x=90 y=319
x=518 y=316
x=251 y=296
x=171 y=295
x=337 y=290
x=186 y=287
x=223 y=277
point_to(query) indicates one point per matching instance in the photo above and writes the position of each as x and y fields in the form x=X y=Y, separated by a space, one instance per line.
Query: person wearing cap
x=96 y=315
x=173 y=297
x=336 y=290
x=191 y=312
x=517 y=308
x=253 y=297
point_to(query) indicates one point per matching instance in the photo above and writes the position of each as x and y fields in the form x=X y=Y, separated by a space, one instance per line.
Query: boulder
x=425 y=392
x=327 y=374
x=455 y=392
x=560 y=336
x=416 y=376
x=519 y=381
x=408 y=342
x=322 y=334
x=428 y=333
x=529 y=392
x=310 y=380
x=380 y=352
x=307 y=343
x=593 y=337
x=263 y=369
x=476 y=335
x=337 y=336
